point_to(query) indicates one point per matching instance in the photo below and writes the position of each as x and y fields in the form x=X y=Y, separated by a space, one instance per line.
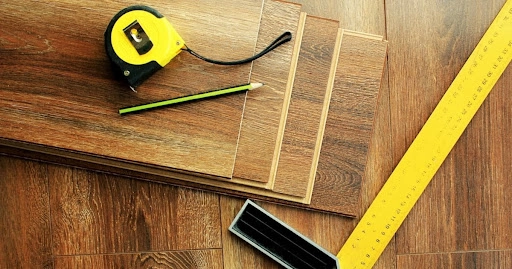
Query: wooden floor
x=52 y=216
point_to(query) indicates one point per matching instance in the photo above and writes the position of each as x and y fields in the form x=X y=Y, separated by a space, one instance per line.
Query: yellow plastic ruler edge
x=431 y=146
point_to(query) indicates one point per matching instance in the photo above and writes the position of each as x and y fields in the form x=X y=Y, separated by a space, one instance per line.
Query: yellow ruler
x=431 y=146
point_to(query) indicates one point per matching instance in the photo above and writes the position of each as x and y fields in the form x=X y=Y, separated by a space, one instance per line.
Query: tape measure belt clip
x=138 y=37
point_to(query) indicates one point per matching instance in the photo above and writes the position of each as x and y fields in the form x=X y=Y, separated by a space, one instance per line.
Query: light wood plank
x=25 y=240
x=305 y=119
x=96 y=213
x=190 y=259
x=260 y=138
x=349 y=125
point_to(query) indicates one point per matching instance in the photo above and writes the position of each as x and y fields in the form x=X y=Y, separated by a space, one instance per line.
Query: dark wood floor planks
x=25 y=232
x=94 y=213
x=189 y=259
x=305 y=121
x=491 y=259
x=465 y=208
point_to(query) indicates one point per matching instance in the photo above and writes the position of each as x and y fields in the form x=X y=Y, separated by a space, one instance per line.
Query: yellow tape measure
x=431 y=146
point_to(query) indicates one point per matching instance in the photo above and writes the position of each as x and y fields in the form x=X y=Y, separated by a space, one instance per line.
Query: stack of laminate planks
x=302 y=139
x=305 y=137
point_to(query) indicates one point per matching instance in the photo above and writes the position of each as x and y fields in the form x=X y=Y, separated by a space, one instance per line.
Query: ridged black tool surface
x=279 y=241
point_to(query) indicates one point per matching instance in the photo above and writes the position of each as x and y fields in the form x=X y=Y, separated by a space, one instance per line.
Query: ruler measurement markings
x=432 y=145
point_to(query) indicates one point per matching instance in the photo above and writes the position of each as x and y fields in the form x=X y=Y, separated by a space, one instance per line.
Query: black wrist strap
x=285 y=37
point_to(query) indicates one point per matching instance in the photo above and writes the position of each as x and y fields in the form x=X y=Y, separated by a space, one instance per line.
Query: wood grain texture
x=470 y=260
x=190 y=259
x=490 y=195
x=260 y=138
x=379 y=166
x=60 y=91
x=349 y=125
x=305 y=119
x=81 y=126
x=93 y=213
x=25 y=239
x=366 y=16
x=466 y=203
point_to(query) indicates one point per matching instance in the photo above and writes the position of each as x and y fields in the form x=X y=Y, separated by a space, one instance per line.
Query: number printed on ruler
x=432 y=145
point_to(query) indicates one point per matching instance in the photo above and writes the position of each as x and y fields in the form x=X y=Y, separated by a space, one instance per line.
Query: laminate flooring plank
x=25 y=239
x=187 y=259
x=94 y=213
x=266 y=107
x=350 y=14
x=309 y=103
x=60 y=90
x=492 y=259
x=349 y=125
x=379 y=164
x=466 y=204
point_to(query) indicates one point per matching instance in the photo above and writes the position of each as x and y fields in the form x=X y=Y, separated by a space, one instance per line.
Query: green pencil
x=189 y=98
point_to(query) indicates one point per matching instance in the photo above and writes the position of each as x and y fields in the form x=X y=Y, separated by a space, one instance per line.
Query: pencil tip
x=256 y=85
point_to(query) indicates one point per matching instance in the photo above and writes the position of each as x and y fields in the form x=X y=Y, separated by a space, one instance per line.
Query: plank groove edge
x=264 y=106
x=286 y=102
x=349 y=125
x=304 y=117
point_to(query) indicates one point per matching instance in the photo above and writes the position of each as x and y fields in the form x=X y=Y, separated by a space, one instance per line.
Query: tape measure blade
x=432 y=145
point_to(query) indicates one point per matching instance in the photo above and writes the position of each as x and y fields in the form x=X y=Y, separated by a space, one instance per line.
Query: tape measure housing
x=139 y=41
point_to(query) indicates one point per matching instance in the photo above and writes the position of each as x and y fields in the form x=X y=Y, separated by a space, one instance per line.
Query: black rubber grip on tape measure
x=279 y=241
x=137 y=73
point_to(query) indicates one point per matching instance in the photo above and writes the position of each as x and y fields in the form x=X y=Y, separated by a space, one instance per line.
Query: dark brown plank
x=308 y=106
x=466 y=207
x=259 y=133
x=25 y=239
x=60 y=88
x=95 y=213
x=468 y=260
x=190 y=259
x=349 y=125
